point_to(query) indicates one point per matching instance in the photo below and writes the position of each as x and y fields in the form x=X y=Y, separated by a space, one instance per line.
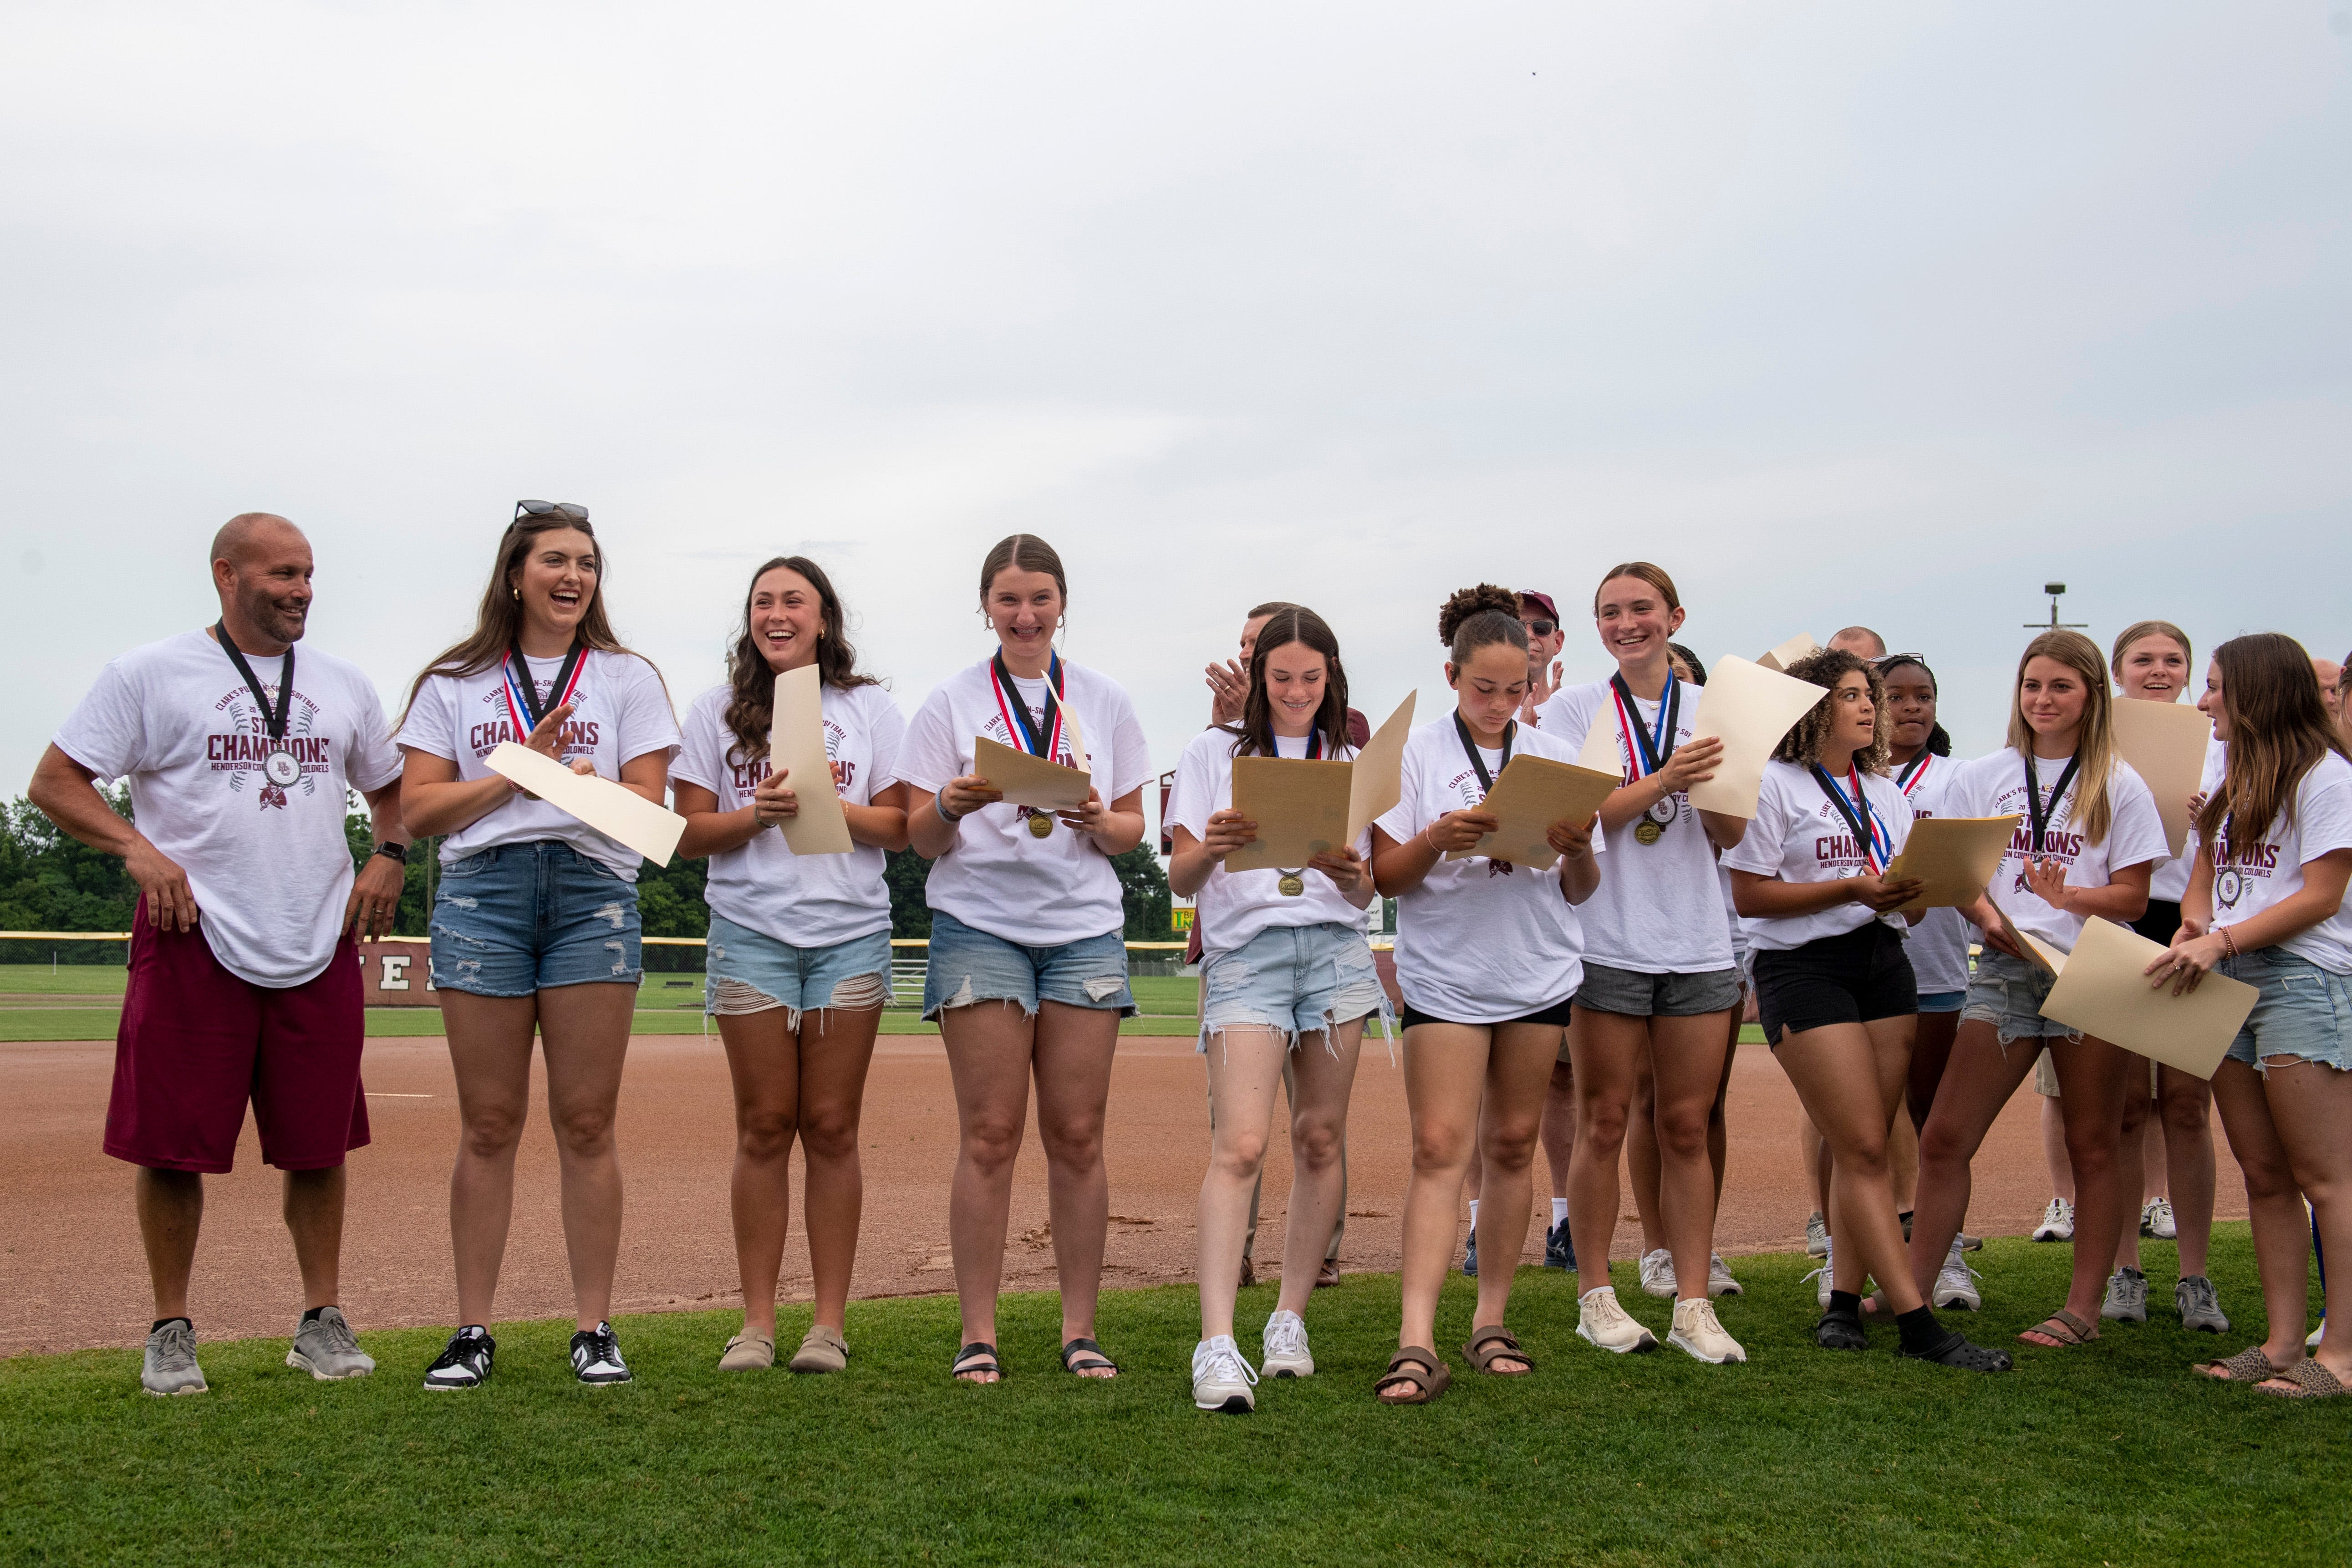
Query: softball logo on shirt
x=578 y=736
x=749 y=776
x=1466 y=787
x=243 y=751
x=2234 y=877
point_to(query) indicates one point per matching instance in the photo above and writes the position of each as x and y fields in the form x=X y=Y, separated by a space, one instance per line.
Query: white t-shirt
x=1039 y=893
x=269 y=866
x=621 y=713
x=817 y=900
x=1939 y=942
x=1235 y=906
x=2248 y=881
x=1995 y=787
x=1731 y=922
x=1655 y=916
x=1479 y=941
x=1799 y=836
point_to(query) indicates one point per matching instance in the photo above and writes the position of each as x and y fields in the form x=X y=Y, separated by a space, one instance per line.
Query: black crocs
x=1837 y=1331
x=1958 y=1350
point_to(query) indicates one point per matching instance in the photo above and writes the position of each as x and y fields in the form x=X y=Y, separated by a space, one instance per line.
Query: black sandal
x=1840 y=1331
x=1085 y=1355
x=1958 y=1350
x=983 y=1358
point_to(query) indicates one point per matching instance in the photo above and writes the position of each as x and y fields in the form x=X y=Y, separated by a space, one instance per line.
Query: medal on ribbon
x=1876 y=840
x=2044 y=813
x=1646 y=752
x=1043 y=742
x=1294 y=883
x=279 y=767
x=1907 y=778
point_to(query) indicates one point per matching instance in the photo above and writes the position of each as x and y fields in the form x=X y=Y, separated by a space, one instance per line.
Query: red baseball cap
x=1541 y=601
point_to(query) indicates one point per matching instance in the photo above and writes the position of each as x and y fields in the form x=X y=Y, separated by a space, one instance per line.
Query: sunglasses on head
x=564 y=509
x=1890 y=660
x=1541 y=628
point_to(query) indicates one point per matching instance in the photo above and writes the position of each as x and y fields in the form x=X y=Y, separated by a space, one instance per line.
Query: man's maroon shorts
x=197 y=1043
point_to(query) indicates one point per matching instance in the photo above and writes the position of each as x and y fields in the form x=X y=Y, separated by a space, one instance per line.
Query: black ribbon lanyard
x=1860 y=823
x=528 y=688
x=275 y=721
x=1485 y=780
x=1032 y=730
x=1314 y=745
x=1910 y=771
x=2042 y=813
x=1655 y=752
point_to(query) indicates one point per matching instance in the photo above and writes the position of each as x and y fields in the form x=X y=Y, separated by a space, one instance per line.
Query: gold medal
x=1041 y=824
x=1292 y=884
x=1648 y=831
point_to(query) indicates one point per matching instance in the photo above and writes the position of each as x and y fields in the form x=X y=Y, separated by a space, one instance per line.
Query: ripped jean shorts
x=2008 y=994
x=1301 y=979
x=751 y=971
x=2302 y=1010
x=516 y=918
x=967 y=966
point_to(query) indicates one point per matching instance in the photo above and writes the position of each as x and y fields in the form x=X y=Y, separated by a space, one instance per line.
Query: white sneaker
x=1821 y=1278
x=1285 y=1353
x=1817 y=1235
x=1696 y=1331
x=1956 y=1283
x=2126 y=1299
x=1602 y=1323
x=2057 y=1222
x=1658 y=1274
x=2311 y=1340
x=2155 y=1220
x=1719 y=1281
x=1221 y=1378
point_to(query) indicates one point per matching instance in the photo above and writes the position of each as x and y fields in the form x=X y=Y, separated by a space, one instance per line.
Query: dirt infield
x=74 y=1277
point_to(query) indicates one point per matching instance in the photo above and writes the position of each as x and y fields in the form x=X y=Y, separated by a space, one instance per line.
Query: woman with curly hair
x=1488 y=955
x=1834 y=987
x=800 y=945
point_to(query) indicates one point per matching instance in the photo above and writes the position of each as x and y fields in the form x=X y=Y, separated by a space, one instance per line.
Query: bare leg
x=1718 y=1131
x=1851 y=1078
x=2311 y=1109
x=170 y=1206
x=2091 y=1075
x=1444 y=1079
x=1686 y=1063
x=1322 y=1079
x=1902 y=1163
x=1977 y=1082
x=1073 y=1079
x=2188 y=1115
x=2273 y=1205
x=1642 y=1153
x=1930 y=1051
x=586 y=1029
x=1816 y=1155
x=314 y=1215
x=838 y=1048
x=2053 y=1148
x=989 y=1045
x=1606 y=1047
x=763 y=1062
x=1518 y=1067
x=2131 y=1171
x=1560 y=1125
x=490 y=1040
x=1245 y=1064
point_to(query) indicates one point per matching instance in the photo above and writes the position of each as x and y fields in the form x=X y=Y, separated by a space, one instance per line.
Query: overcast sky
x=1841 y=312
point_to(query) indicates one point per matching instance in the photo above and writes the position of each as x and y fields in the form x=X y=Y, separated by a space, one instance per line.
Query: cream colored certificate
x=1377 y=781
x=1304 y=807
x=617 y=812
x=1029 y=781
x=2102 y=990
x=1789 y=652
x=2165 y=744
x=1953 y=856
x=1749 y=708
x=796 y=749
x=1528 y=797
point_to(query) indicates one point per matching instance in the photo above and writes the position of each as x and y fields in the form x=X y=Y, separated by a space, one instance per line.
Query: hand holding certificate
x=2165 y=744
x=1953 y=859
x=1749 y=708
x=1529 y=795
x=796 y=752
x=615 y=810
x=1029 y=781
x=1303 y=808
x=2103 y=989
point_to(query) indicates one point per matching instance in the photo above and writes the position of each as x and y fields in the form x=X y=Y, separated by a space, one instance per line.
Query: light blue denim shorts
x=2008 y=994
x=967 y=966
x=1301 y=979
x=751 y=971
x=2303 y=1010
x=516 y=918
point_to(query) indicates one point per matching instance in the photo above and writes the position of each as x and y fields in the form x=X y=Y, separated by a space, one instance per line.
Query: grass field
x=2115 y=1456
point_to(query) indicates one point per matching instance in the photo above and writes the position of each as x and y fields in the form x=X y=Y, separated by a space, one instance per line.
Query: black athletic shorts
x=1555 y=1013
x=1849 y=979
x=2162 y=920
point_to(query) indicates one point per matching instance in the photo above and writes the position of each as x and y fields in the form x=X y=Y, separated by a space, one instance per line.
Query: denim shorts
x=516 y=918
x=2008 y=994
x=1942 y=1001
x=2303 y=1010
x=1637 y=995
x=968 y=966
x=1301 y=979
x=751 y=971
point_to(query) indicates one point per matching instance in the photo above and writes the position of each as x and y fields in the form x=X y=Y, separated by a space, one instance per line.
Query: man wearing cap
x=1545 y=635
x=244 y=978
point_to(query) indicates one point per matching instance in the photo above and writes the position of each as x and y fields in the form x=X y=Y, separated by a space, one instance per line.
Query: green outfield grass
x=2115 y=1455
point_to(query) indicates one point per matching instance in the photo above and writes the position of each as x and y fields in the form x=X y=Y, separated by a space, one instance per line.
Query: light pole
x=2054 y=590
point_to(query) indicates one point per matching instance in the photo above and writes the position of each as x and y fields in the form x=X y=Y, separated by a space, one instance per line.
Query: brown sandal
x=2063 y=1329
x=2311 y=1381
x=1494 y=1344
x=1434 y=1379
x=2249 y=1365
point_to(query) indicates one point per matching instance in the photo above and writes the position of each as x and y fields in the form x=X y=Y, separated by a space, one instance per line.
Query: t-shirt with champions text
x=1995 y=787
x=269 y=867
x=1939 y=942
x=996 y=878
x=1235 y=906
x=1479 y=941
x=1656 y=915
x=1800 y=836
x=2248 y=880
x=802 y=900
x=621 y=713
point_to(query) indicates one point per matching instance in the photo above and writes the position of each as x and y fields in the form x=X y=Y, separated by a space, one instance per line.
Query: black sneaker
x=596 y=1357
x=1560 y=1252
x=464 y=1363
x=1470 y=1257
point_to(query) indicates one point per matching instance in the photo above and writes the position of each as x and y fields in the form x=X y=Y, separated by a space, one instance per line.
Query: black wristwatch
x=394 y=852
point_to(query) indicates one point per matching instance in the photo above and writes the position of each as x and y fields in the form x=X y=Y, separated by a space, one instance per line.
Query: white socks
x=1559 y=1210
x=1474 y=1214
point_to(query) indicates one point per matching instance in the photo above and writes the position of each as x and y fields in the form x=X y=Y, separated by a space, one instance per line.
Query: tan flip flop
x=748 y=1353
x=2063 y=1330
x=1494 y=1344
x=821 y=1351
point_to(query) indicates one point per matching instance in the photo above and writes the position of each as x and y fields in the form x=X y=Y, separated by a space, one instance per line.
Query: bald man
x=2331 y=685
x=1860 y=642
x=244 y=978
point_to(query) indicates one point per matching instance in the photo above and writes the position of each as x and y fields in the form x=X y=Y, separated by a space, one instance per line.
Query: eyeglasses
x=1887 y=661
x=1541 y=628
x=572 y=509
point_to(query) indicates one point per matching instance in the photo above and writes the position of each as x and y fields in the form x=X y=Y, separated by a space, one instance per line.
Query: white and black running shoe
x=596 y=1357
x=465 y=1361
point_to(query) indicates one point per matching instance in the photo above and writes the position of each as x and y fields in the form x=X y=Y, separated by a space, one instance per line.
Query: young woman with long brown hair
x=2087 y=838
x=535 y=928
x=799 y=954
x=1288 y=980
x=1488 y=957
x=1027 y=972
x=1834 y=987
x=2265 y=905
